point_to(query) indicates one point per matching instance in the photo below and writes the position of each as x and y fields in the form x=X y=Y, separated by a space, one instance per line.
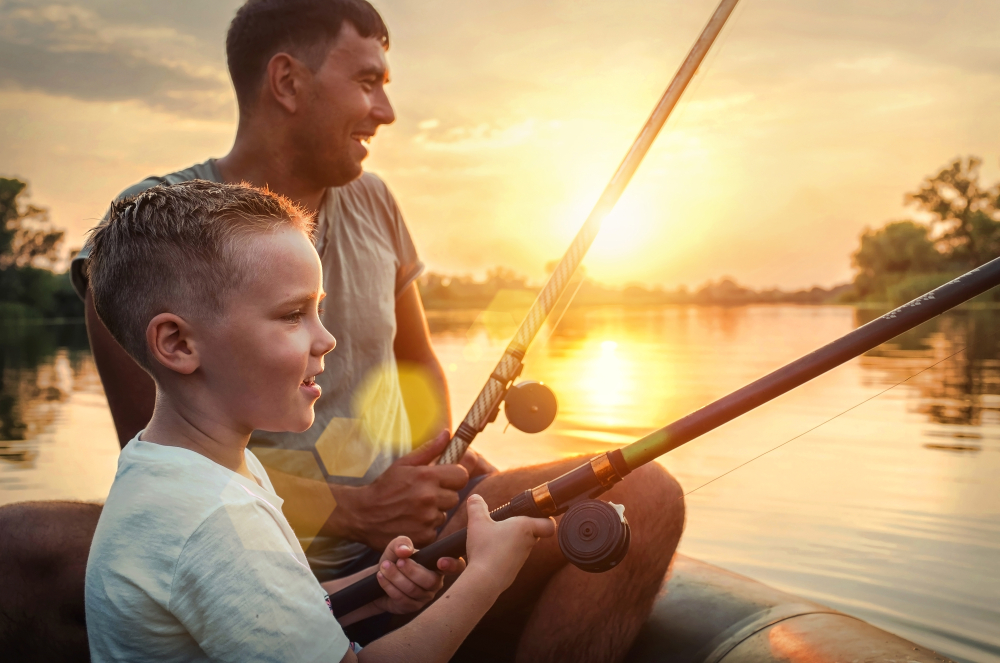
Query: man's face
x=261 y=358
x=345 y=103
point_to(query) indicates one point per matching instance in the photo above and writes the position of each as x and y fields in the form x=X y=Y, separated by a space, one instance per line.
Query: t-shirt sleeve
x=244 y=595
x=410 y=266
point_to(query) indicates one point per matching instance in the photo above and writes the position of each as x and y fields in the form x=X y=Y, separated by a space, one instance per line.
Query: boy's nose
x=325 y=343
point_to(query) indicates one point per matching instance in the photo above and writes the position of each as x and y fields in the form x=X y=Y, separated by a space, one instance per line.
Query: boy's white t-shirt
x=194 y=562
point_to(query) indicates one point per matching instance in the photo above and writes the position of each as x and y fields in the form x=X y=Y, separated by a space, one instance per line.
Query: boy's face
x=260 y=359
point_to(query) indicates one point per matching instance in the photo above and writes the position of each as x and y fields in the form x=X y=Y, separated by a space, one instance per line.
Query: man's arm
x=413 y=345
x=130 y=391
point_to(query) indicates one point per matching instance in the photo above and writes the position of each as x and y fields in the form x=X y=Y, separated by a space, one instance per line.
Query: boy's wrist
x=482 y=580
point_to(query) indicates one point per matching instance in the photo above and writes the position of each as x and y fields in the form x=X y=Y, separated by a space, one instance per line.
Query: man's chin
x=345 y=173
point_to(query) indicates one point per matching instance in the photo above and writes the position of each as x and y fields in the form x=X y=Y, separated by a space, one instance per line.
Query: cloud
x=69 y=50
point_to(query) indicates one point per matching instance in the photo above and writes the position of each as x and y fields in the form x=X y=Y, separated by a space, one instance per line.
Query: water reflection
x=961 y=391
x=889 y=511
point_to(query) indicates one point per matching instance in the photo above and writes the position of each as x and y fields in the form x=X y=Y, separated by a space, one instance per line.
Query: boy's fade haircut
x=180 y=248
x=302 y=28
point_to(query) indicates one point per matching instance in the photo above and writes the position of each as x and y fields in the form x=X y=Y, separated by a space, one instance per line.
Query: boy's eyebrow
x=302 y=299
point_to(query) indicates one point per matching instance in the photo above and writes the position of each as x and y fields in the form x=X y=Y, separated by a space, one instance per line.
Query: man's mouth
x=362 y=137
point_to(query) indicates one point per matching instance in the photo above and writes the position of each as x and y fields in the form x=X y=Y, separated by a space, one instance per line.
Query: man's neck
x=262 y=163
x=178 y=424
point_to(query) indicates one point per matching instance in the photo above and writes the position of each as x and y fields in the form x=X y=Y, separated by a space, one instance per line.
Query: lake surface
x=890 y=511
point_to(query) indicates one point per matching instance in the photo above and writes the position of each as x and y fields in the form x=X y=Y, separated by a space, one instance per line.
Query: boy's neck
x=176 y=424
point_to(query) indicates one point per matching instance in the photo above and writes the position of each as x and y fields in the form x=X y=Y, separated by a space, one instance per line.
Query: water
x=890 y=511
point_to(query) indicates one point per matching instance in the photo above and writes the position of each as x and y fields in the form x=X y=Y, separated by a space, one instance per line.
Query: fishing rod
x=594 y=535
x=530 y=406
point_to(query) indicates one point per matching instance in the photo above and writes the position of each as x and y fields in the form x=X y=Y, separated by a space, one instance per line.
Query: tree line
x=957 y=229
x=29 y=252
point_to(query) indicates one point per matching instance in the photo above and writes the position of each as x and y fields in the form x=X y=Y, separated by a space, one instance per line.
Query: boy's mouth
x=310 y=381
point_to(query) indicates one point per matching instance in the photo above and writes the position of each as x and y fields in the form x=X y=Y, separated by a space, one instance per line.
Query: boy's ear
x=170 y=341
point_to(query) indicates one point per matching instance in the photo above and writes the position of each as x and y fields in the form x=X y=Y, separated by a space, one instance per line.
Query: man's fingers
x=452 y=477
x=427 y=452
x=447 y=500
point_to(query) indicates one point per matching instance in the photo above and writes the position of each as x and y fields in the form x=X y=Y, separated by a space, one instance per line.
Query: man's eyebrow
x=374 y=71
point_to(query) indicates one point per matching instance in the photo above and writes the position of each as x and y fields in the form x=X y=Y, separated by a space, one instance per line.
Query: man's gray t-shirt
x=361 y=425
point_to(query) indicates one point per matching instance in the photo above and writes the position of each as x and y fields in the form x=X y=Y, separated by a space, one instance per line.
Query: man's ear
x=170 y=341
x=285 y=80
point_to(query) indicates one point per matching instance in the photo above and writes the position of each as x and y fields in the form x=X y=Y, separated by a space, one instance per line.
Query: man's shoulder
x=200 y=171
x=205 y=170
x=369 y=189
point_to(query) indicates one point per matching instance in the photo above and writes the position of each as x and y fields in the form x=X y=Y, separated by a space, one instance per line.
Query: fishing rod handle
x=367 y=589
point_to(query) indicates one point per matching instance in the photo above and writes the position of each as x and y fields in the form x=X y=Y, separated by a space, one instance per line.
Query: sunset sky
x=809 y=121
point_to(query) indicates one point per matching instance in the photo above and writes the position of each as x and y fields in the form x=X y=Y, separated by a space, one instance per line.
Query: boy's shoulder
x=161 y=495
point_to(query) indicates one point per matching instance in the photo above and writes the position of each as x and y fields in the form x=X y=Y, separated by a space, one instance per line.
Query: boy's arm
x=440 y=629
x=497 y=550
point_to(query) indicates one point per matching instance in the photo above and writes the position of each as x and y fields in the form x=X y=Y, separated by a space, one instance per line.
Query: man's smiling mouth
x=362 y=137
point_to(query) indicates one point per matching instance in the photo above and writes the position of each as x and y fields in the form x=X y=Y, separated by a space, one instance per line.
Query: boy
x=214 y=290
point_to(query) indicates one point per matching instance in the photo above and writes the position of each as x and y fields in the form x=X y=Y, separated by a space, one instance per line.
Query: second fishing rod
x=594 y=535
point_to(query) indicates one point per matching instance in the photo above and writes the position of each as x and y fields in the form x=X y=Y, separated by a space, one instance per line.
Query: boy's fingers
x=399 y=580
x=390 y=590
x=427 y=452
x=477 y=509
x=451 y=565
x=542 y=527
x=424 y=578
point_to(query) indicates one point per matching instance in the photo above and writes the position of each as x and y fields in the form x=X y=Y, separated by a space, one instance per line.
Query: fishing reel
x=594 y=535
x=530 y=406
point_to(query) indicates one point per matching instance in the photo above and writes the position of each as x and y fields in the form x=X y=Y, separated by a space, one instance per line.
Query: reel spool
x=594 y=535
x=530 y=406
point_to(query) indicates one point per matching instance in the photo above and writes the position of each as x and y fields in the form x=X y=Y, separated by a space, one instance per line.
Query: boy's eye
x=321 y=310
x=294 y=316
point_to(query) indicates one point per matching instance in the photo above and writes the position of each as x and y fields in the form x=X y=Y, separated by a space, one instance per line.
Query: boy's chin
x=289 y=425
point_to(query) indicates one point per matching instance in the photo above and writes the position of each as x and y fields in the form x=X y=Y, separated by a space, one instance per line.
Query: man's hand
x=409 y=499
x=408 y=585
x=475 y=464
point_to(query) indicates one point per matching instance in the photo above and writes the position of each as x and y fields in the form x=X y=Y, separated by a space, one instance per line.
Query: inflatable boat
x=710 y=615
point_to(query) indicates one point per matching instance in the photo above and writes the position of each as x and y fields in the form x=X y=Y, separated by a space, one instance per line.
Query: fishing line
x=819 y=425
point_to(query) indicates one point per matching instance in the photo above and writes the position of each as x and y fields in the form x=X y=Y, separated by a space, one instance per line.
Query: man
x=310 y=80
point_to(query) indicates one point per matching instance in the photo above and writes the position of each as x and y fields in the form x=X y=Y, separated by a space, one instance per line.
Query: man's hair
x=302 y=28
x=181 y=249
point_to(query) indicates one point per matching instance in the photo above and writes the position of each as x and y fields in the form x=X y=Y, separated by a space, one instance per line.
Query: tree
x=965 y=216
x=898 y=248
x=27 y=237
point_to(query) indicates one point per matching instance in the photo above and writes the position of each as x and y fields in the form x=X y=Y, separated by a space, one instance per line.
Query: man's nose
x=382 y=111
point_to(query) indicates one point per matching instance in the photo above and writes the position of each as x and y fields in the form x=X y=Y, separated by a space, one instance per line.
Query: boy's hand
x=408 y=585
x=498 y=550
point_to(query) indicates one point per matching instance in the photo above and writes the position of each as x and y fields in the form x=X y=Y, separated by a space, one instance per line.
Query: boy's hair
x=302 y=28
x=179 y=249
